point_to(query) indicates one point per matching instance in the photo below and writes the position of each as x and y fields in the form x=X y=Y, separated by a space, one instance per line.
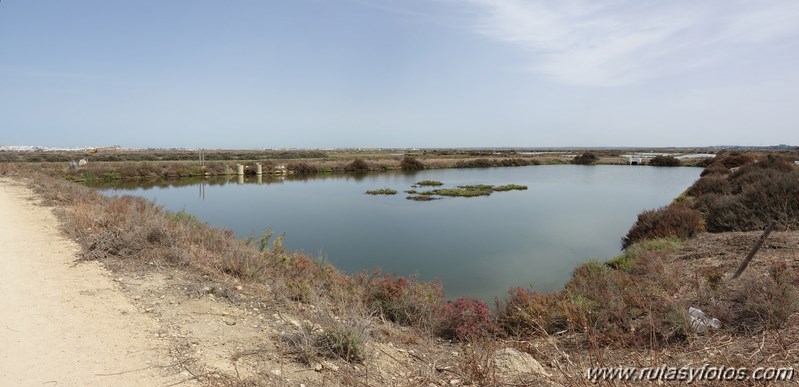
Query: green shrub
x=628 y=260
x=622 y=262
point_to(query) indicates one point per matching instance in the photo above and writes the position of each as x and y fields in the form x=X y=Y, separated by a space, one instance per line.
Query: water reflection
x=477 y=246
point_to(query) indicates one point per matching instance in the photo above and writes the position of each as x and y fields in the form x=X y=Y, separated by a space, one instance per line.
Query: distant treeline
x=158 y=156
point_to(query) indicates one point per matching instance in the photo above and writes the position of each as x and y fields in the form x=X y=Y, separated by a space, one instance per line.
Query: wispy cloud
x=622 y=42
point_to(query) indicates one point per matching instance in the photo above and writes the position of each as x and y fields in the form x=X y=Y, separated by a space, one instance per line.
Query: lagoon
x=478 y=246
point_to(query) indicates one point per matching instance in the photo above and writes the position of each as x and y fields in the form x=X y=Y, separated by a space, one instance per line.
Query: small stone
x=455 y=382
x=317 y=367
x=275 y=372
x=330 y=366
x=514 y=364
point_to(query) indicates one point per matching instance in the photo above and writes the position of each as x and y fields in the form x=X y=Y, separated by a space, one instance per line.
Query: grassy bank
x=630 y=310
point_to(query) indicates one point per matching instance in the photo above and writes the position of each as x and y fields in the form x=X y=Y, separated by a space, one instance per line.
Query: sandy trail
x=63 y=324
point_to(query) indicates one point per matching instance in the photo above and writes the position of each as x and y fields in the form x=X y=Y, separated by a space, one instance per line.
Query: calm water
x=477 y=246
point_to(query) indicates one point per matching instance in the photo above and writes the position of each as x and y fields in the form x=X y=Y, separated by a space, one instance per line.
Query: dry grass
x=630 y=311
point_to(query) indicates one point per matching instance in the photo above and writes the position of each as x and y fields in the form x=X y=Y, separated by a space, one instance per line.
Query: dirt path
x=63 y=324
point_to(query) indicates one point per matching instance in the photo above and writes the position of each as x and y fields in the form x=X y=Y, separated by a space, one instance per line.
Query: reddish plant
x=466 y=319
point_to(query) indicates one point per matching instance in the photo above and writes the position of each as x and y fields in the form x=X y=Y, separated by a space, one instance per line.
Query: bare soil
x=67 y=324
x=73 y=322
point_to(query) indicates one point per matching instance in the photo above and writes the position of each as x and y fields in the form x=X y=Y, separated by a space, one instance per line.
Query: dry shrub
x=466 y=319
x=585 y=159
x=516 y=162
x=760 y=302
x=629 y=309
x=530 y=313
x=357 y=165
x=409 y=163
x=7 y=169
x=344 y=342
x=665 y=161
x=404 y=300
x=488 y=163
x=475 y=163
x=728 y=159
x=725 y=213
x=305 y=279
x=715 y=168
x=302 y=168
x=750 y=197
x=675 y=220
x=329 y=336
x=710 y=184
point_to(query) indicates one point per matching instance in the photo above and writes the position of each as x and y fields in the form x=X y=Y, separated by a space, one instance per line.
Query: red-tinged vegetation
x=466 y=319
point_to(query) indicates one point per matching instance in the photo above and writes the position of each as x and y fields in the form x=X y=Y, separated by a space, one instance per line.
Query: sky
x=386 y=73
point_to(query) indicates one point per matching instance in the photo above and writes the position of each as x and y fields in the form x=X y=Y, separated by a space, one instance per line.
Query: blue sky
x=387 y=73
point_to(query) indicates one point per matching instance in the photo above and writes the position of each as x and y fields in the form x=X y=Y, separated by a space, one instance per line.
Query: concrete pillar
x=240 y=169
x=241 y=179
x=259 y=169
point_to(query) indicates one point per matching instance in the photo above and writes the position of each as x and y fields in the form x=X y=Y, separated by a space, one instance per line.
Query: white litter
x=700 y=322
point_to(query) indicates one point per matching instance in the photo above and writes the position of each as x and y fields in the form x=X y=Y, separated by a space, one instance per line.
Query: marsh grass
x=382 y=191
x=509 y=187
x=457 y=192
x=422 y=198
x=429 y=183
x=465 y=190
